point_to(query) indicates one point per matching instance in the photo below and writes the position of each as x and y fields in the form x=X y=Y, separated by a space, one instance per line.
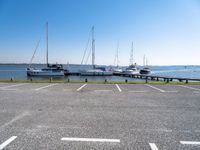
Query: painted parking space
x=167 y=88
x=99 y=88
x=135 y=88
x=6 y=118
x=5 y=84
x=53 y=141
x=27 y=86
x=7 y=142
x=195 y=86
x=47 y=134
x=12 y=86
x=189 y=87
x=65 y=87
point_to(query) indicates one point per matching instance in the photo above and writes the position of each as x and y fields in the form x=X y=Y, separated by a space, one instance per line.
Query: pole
x=93 y=48
x=47 y=43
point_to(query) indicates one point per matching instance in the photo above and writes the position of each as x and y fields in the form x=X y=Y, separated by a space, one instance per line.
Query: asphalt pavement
x=55 y=116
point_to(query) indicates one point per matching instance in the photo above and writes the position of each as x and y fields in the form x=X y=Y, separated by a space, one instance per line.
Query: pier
x=157 y=78
x=147 y=78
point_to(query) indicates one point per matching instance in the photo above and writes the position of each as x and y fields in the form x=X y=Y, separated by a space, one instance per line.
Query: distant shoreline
x=10 y=64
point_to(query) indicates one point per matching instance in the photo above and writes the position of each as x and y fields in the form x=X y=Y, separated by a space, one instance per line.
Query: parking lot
x=99 y=116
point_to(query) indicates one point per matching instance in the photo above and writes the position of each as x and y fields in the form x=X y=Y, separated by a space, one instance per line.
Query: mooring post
x=105 y=80
x=146 y=80
x=126 y=80
x=68 y=80
x=186 y=81
x=86 y=80
x=50 y=79
x=12 y=79
x=31 y=79
x=167 y=80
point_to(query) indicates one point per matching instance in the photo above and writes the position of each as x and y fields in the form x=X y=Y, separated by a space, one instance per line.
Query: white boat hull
x=44 y=73
x=96 y=73
x=131 y=72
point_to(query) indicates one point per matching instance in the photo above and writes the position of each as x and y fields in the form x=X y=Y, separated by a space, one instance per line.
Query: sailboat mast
x=131 y=56
x=117 y=54
x=146 y=62
x=93 y=48
x=47 y=44
x=144 y=59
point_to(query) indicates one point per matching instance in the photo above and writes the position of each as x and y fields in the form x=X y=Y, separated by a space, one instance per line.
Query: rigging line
x=34 y=53
x=116 y=55
x=86 y=48
x=88 y=55
x=131 y=55
x=117 y=59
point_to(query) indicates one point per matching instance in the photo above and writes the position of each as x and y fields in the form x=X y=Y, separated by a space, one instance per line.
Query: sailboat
x=145 y=69
x=50 y=70
x=95 y=71
x=132 y=69
x=116 y=70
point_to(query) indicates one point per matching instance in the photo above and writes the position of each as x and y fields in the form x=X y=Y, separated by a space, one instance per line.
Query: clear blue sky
x=166 y=31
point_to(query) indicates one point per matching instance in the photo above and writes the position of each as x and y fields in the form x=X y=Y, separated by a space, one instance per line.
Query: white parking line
x=153 y=146
x=8 y=89
x=20 y=116
x=190 y=142
x=4 y=144
x=188 y=87
x=138 y=91
x=44 y=87
x=118 y=87
x=153 y=87
x=81 y=87
x=102 y=90
x=90 y=140
x=10 y=86
x=171 y=91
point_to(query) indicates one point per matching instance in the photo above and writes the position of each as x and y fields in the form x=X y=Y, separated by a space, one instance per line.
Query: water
x=18 y=72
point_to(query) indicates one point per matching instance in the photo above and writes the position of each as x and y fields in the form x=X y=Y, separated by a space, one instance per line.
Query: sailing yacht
x=132 y=69
x=95 y=71
x=117 y=69
x=50 y=70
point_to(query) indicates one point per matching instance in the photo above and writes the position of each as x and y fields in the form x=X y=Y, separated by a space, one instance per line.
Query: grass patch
x=99 y=82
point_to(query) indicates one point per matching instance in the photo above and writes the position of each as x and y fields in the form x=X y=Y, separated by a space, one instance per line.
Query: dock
x=147 y=78
x=157 y=78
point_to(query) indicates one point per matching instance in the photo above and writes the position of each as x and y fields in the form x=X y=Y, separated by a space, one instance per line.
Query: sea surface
x=18 y=72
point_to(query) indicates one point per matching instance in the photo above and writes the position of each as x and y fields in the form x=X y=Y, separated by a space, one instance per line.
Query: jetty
x=157 y=78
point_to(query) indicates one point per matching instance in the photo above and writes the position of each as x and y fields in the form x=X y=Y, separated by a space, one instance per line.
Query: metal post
x=47 y=43
x=93 y=48
x=186 y=81
x=146 y=80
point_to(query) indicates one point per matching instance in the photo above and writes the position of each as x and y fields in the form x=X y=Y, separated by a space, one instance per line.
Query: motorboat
x=131 y=70
x=145 y=69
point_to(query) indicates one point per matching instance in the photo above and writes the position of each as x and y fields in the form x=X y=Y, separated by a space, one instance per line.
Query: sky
x=166 y=31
